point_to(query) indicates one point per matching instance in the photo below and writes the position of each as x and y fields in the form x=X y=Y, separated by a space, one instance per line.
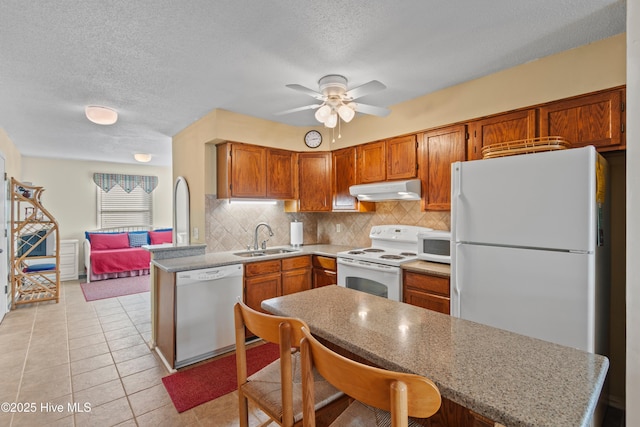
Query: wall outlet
x=195 y=233
x=338 y=228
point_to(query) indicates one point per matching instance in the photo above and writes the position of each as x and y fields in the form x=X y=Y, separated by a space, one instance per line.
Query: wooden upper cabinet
x=372 y=162
x=595 y=119
x=281 y=174
x=402 y=158
x=501 y=128
x=343 y=173
x=252 y=171
x=438 y=149
x=241 y=170
x=314 y=182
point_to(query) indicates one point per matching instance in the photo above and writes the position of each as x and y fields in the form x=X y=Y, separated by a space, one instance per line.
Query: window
x=117 y=208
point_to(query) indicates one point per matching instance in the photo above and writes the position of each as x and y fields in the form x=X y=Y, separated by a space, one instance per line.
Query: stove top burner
x=355 y=252
x=391 y=257
x=373 y=250
x=408 y=253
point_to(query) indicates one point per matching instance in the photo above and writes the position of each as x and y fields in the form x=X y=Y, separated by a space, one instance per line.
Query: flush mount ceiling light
x=101 y=115
x=142 y=157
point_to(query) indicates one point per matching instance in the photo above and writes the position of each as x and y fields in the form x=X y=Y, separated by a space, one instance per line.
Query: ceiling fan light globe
x=346 y=113
x=331 y=121
x=323 y=113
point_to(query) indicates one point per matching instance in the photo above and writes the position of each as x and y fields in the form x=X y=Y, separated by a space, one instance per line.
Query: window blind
x=117 y=208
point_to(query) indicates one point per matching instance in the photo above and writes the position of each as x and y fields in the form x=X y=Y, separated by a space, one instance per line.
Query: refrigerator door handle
x=455 y=298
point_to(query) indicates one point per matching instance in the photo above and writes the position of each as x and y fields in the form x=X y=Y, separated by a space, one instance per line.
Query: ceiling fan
x=337 y=101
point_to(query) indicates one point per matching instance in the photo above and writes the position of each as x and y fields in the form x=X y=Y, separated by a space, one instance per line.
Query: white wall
x=633 y=210
x=70 y=193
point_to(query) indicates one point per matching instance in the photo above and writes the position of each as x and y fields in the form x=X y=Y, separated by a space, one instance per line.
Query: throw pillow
x=160 y=237
x=138 y=239
x=109 y=241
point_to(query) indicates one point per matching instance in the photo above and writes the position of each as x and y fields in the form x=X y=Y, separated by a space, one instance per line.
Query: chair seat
x=360 y=415
x=264 y=388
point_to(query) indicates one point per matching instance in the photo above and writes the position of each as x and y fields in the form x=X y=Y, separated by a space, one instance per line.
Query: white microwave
x=435 y=246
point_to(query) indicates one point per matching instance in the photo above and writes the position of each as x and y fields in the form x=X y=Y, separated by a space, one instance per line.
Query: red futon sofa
x=110 y=254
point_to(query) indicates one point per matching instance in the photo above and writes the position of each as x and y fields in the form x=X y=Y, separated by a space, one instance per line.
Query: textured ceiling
x=165 y=63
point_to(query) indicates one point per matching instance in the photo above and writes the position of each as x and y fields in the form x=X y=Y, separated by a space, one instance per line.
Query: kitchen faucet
x=255 y=236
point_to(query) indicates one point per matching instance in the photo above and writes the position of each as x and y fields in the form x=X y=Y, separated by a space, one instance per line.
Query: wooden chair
x=383 y=397
x=277 y=388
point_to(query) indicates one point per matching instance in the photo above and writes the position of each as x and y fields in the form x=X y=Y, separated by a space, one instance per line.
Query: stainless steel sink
x=264 y=252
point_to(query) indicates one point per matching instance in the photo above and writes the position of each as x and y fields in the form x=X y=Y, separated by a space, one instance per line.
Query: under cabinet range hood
x=389 y=190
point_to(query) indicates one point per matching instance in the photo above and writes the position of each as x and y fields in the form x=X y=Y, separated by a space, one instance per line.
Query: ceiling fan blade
x=300 y=88
x=295 y=110
x=365 y=89
x=372 y=109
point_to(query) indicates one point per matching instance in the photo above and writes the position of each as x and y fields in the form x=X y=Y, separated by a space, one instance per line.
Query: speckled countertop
x=216 y=259
x=433 y=268
x=509 y=378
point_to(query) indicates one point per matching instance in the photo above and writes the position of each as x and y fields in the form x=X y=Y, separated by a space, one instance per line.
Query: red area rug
x=111 y=288
x=200 y=384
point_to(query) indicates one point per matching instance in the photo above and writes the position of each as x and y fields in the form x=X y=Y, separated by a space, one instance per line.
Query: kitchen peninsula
x=501 y=376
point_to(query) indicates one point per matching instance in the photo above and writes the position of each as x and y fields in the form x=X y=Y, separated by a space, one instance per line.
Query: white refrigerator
x=529 y=246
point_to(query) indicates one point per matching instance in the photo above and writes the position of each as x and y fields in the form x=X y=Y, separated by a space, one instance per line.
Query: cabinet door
x=372 y=162
x=438 y=149
x=402 y=158
x=281 y=174
x=595 y=119
x=314 y=182
x=248 y=167
x=324 y=277
x=296 y=281
x=344 y=175
x=501 y=128
x=260 y=288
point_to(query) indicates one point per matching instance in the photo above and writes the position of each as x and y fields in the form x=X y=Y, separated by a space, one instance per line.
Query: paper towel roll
x=296 y=233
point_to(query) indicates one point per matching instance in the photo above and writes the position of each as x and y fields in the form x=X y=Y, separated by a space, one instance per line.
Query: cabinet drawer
x=67 y=260
x=324 y=262
x=424 y=282
x=262 y=267
x=296 y=262
x=428 y=301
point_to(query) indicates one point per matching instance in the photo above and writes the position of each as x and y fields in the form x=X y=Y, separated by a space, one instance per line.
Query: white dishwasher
x=204 y=312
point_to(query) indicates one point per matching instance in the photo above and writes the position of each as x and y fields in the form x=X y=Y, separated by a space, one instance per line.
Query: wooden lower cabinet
x=325 y=271
x=165 y=314
x=274 y=278
x=451 y=414
x=296 y=274
x=426 y=291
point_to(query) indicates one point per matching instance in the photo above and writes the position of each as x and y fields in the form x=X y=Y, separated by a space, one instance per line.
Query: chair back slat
x=402 y=394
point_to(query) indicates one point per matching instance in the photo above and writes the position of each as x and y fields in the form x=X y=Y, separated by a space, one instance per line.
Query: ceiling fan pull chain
x=339 y=132
x=333 y=135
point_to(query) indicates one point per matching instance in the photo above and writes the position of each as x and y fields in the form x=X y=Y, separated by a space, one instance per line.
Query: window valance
x=107 y=181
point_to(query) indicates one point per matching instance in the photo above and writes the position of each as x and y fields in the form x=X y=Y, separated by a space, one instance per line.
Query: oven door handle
x=368 y=265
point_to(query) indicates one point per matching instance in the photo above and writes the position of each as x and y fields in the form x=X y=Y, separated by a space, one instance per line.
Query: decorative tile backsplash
x=231 y=226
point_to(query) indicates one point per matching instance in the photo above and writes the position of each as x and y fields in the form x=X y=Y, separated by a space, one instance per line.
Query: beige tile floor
x=94 y=354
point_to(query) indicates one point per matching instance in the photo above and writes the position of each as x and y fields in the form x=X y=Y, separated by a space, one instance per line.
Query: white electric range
x=376 y=269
